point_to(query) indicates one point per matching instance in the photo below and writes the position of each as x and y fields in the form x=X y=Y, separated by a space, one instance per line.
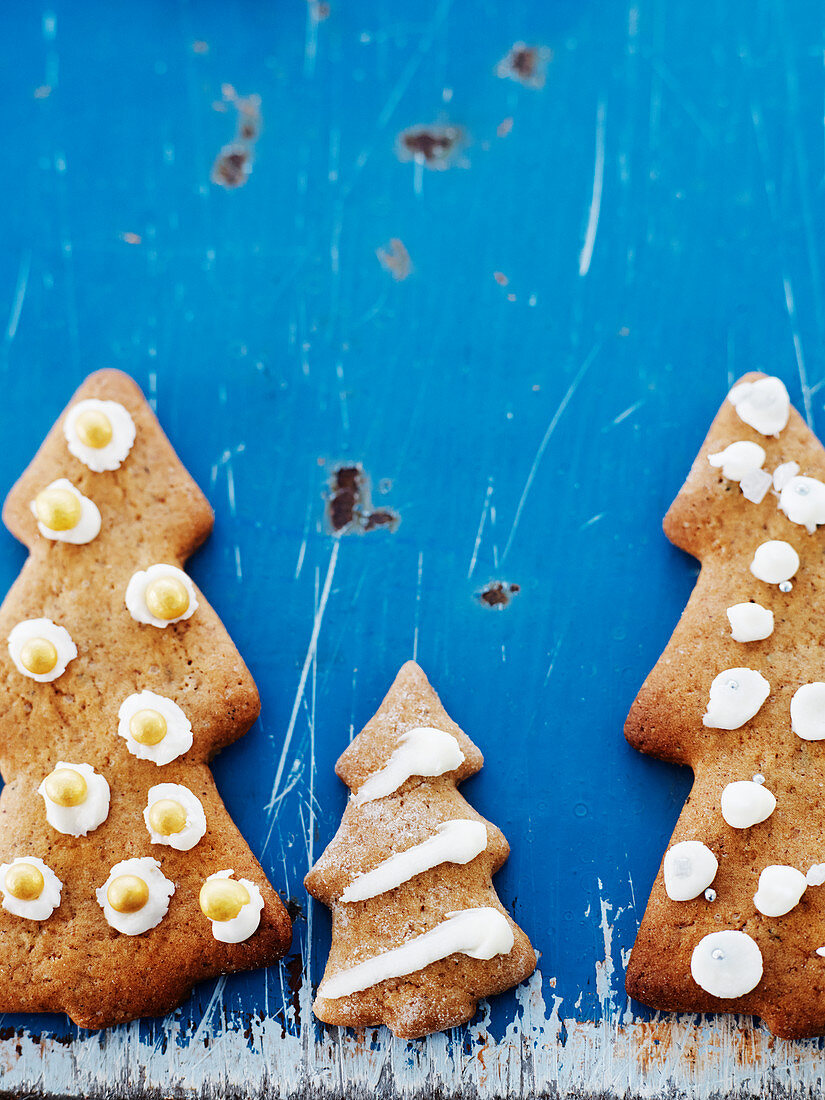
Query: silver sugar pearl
x=759 y=778
x=785 y=586
x=710 y=895
x=718 y=954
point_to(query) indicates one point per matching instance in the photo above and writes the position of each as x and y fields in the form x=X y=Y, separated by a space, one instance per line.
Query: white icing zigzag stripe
x=422 y=751
x=480 y=933
x=454 y=842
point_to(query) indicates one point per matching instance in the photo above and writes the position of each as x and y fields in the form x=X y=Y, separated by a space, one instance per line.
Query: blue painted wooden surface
x=532 y=432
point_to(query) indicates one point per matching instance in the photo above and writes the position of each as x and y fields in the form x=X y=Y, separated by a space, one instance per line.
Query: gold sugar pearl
x=222 y=899
x=66 y=787
x=148 y=727
x=127 y=893
x=93 y=428
x=167 y=598
x=24 y=881
x=166 y=816
x=38 y=656
x=58 y=509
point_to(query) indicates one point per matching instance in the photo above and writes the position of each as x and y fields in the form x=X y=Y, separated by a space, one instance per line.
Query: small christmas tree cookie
x=418 y=932
x=736 y=918
x=118 y=684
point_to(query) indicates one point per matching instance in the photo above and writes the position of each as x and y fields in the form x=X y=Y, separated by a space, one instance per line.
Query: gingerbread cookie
x=736 y=918
x=418 y=932
x=123 y=879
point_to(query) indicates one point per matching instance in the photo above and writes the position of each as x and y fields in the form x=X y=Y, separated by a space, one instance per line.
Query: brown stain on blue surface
x=349 y=503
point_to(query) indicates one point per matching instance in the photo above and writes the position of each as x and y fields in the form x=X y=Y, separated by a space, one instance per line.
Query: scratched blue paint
x=536 y=440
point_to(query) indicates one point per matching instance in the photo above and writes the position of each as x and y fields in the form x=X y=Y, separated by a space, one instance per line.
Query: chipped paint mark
x=395 y=258
x=525 y=64
x=498 y=594
x=233 y=165
x=199 y=46
x=349 y=503
x=43 y=91
x=436 y=146
x=131 y=238
x=505 y=126
x=501 y=278
x=318 y=10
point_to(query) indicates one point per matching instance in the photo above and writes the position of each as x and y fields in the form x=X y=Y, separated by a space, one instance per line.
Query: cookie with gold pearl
x=29 y=888
x=160 y=595
x=154 y=727
x=40 y=649
x=135 y=896
x=76 y=798
x=99 y=433
x=174 y=816
x=63 y=514
x=232 y=905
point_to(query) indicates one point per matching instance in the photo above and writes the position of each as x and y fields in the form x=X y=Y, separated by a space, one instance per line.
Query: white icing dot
x=100 y=459
x=763 y=405
x=746 y=803
x=86 y=528
x=738 y=459
x=239 y=928
x=735 y=697
x=821 y=952
x=195 y=825
x=816 y=875
x=774 y=561
x=178 y=738
x=84 y=818
x=727 y=964
x=783 y=474
x=750 y=622
x=41 y=907
x=157 y=905
x=803 y=501
x=135 y=597
x=808 y=712
x=689 y=867
x=780 y=890
x=50 y=632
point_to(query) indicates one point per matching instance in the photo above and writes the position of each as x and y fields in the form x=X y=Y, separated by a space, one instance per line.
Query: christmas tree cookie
x=736 y=918
x=418 y=932
x=123 y=879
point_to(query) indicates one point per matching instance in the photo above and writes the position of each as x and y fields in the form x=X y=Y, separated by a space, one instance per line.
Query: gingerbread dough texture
x=445 y=992
x=719 y=701
x=151 y=512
